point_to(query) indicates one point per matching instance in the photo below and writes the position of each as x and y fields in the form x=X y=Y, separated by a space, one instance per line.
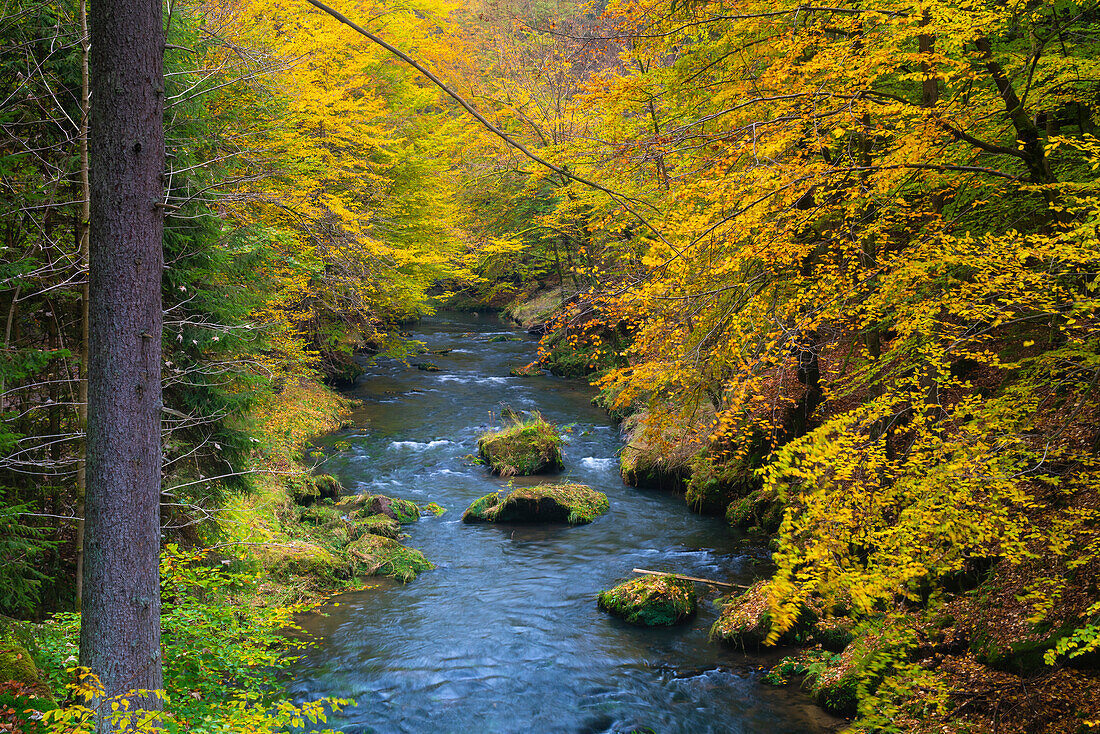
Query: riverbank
x=235 y=578
x=980 y=646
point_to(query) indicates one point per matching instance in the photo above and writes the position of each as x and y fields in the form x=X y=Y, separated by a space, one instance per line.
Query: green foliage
x=221 y=649
x=22 y=546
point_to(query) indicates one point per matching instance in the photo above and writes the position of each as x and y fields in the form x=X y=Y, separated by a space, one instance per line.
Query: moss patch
x=379 y=556
x=365 y=505
x=306 y=490
x=427 y=366
x=526 y=447
x=715 y=483
x=761 y=510
x=651 y=601
x=298 y=559
x=572 y=503
x=435 y=509
x=382 y=525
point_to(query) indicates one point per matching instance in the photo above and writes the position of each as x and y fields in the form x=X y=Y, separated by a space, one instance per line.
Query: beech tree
x=120 y=627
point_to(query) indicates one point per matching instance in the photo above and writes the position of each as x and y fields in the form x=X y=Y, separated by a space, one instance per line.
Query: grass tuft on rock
x=575 y=504
x=651 y=601
x=526 y=447
x=382 y=525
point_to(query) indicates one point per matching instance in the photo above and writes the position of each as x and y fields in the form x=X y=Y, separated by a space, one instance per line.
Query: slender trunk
x=82 y=383
x=120 y=620
x=13 y=310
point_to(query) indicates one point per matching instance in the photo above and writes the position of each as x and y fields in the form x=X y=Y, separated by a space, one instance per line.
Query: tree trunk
x=120 y=620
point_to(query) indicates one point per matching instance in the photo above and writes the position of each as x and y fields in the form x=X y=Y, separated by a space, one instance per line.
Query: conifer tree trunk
x=120 y=621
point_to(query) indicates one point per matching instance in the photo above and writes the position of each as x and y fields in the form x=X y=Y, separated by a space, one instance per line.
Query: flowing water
x=504 y=635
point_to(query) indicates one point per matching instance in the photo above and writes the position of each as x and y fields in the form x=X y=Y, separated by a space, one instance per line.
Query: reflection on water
x=504 y=636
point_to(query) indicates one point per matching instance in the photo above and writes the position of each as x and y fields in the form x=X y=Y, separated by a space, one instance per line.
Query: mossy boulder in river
x=651 y=601
x=572 y=503
x=379 y=556
x=365 y=505
x=526 y=447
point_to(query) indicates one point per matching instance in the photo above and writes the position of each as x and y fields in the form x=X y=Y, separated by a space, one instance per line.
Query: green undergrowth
x=651 y=601
x=223 y=646
x=571 y=503
x=528 y=446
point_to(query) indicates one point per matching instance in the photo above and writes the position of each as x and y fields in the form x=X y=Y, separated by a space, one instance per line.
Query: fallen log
x=690 y=578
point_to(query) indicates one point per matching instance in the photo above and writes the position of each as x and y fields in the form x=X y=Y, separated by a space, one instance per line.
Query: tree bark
x=120 y=620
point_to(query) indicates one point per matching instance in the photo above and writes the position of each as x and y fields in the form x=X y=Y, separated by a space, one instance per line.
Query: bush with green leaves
x=222 y=651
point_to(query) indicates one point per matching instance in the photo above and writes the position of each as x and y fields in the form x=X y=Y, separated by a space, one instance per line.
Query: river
x=505 y=636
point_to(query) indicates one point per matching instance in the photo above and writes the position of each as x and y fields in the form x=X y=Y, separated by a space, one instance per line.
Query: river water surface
x=504 y=635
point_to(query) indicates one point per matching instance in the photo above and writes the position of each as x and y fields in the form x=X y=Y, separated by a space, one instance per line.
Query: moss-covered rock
x=427 y=366
x=761 y=510
x=504 y=338
x=526 y=447
x=745 y=620
x=382 y=525
x=716 y=482
x=365 y=505
x=306 y=490
x=658 y=451
x=572 y=503
x=583 y=353
x=375 y=555
x=435 y=509
x=651 y=601
x=18 y=666
x=298 y=559
x=1023 y=655
x=836 y=680
x=640 y=469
